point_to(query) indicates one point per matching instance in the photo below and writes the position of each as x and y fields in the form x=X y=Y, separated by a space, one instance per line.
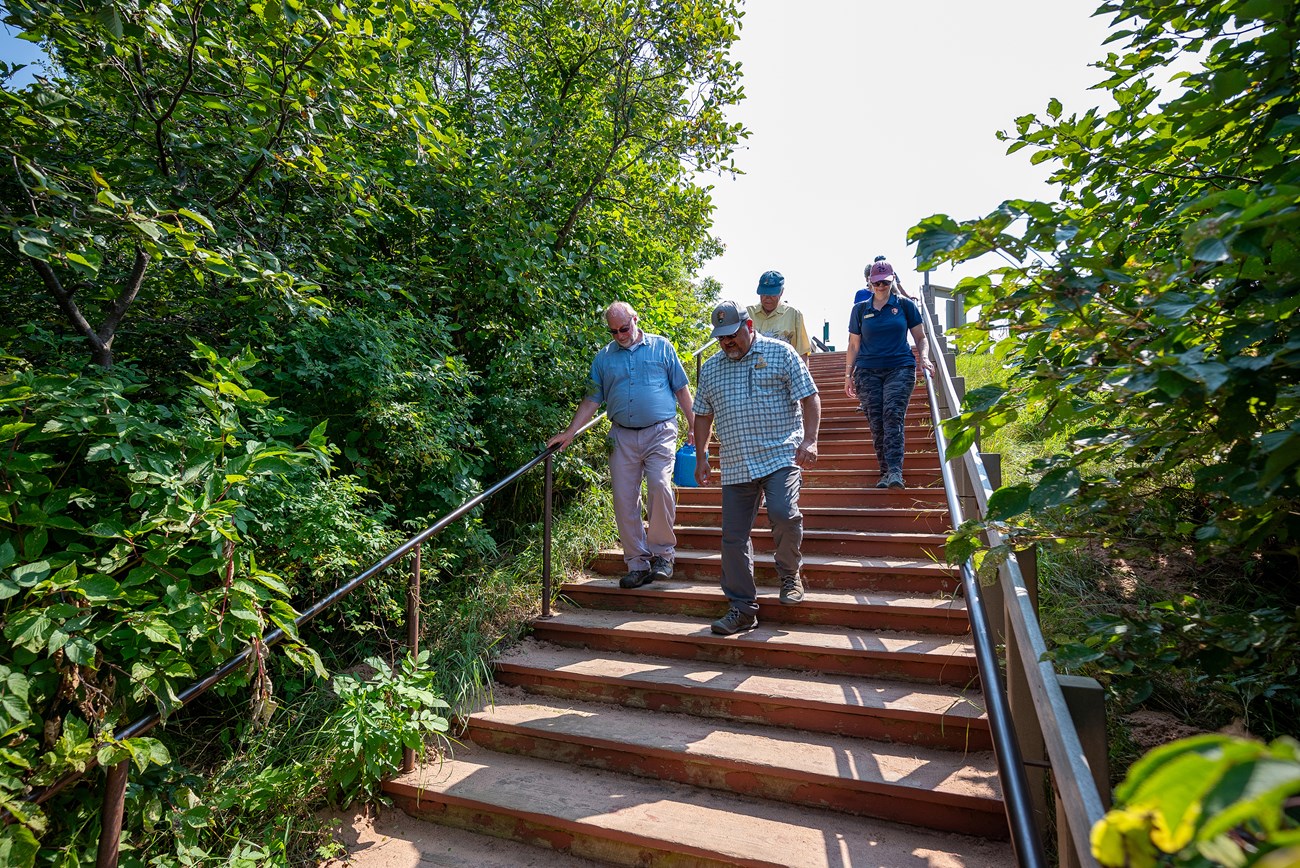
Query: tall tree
x=206 y=145
x=1153 y=307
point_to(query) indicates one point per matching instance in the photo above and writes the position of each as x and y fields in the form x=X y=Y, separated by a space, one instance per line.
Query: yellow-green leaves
x=1215 y=796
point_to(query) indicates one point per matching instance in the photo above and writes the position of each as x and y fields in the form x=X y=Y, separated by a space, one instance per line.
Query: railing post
x=412 y=636
x=1029 y=732
x=1087 y=703
x=546 y=543
x=110 y=815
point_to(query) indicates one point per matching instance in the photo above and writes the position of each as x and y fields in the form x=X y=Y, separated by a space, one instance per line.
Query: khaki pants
x=645 y=454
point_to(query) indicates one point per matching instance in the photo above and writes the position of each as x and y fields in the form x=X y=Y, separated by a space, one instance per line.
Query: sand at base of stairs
x=393 y=839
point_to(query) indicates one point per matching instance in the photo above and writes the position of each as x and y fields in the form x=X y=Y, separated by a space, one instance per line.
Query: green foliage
x=403 y=403
x=413 y=213
x=176 y=133
x=1239 y=664
x=1149 y=312
x=1212 y=800
x=127 y=557
x=376 y=718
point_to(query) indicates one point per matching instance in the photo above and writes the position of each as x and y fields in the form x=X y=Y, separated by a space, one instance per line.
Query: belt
x=643 y=427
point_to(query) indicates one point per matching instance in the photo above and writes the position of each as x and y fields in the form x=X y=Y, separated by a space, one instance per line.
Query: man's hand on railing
x=564 y=438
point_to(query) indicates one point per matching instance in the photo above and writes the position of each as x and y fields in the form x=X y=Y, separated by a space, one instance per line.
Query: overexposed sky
x=866 y=116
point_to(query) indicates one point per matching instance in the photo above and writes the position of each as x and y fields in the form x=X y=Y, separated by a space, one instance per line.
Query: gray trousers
x=645 y=454
x=739 y=511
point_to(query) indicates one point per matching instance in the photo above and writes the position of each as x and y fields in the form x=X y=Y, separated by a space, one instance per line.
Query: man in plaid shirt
x=765 y=406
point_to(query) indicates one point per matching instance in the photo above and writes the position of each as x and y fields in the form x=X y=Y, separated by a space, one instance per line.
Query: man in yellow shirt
x=776 y=320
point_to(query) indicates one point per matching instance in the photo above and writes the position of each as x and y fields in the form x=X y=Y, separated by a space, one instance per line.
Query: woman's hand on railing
x=923 y=363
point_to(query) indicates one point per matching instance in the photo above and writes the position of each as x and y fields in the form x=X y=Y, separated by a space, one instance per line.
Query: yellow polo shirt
x=784 y=324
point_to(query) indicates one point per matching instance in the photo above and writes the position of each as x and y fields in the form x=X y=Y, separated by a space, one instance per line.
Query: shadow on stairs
x=847 y=731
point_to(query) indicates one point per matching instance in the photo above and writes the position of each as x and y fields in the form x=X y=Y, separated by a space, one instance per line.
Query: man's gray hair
x=622 y=308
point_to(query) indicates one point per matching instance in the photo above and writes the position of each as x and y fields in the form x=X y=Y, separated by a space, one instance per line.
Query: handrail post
x=111 y=814
x=412 y=637
x=546 y=540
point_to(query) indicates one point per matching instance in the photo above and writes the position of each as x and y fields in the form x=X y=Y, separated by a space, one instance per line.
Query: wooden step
x=923 y=478
x=914 y=463
x=833 y=517
x=812 y=496
x=828 y=542
x=626 y=820
x=942 y=789
x=819 y=571
x=876 y=610
x=935 y=715
x=863 y=445
x=803 y=647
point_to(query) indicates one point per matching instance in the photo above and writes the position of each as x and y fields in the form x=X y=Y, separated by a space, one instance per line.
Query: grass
x=1020 y=442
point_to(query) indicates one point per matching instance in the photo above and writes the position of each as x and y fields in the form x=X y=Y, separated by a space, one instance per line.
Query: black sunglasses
x=882 y=283
x=624 y=330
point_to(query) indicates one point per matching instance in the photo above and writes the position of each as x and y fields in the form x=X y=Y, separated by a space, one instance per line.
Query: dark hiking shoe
x=661 y=568
x=896 y=479
x=791 y=591
x=733 y=622
x=636 y=579
x=884 y=480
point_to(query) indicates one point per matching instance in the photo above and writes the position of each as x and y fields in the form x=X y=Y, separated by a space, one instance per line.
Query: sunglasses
x=882 y=283
x=624 y=330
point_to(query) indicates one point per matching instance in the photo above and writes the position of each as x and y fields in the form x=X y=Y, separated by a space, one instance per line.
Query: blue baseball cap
x=771 y=283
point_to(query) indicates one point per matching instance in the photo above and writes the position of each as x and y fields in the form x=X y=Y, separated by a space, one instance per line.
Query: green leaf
x=18 y=846
x=1009 y=501
x=1212 y=250
x=159 y=630
x=1055 y=488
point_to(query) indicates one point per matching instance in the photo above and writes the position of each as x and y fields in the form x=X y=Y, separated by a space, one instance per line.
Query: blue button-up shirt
x=754 y=402
x=638 y=385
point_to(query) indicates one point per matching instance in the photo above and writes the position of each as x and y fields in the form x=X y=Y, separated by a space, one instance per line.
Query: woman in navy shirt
x=880 y=369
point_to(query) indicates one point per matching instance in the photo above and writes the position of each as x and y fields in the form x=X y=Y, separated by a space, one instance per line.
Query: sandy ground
x=394 y=840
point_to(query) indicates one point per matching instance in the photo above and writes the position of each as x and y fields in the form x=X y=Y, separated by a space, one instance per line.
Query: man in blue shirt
x=641 y=382
x=767 y=413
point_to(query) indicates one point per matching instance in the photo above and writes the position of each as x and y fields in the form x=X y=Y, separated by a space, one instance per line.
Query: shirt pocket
x=767 y=382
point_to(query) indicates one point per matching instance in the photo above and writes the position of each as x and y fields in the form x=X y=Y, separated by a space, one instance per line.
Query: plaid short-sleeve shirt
x=754 y=402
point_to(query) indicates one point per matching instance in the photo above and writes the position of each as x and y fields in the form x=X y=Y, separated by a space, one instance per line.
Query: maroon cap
x=881 y=270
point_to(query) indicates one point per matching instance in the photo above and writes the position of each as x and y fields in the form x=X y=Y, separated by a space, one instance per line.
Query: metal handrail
x=1079 y=798
x=115 y=788
x=1006 y=749
x=698 y=355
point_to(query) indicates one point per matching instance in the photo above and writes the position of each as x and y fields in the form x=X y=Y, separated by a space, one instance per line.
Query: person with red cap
x=880 y=369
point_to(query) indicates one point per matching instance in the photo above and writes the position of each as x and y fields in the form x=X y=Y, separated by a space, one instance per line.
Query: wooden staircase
x=845 y=731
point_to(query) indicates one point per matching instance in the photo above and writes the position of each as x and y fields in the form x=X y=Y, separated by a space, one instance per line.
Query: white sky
x=866 y=116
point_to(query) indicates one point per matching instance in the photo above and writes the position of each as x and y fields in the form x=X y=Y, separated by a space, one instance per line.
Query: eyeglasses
x=882 y=283
x=624 y=330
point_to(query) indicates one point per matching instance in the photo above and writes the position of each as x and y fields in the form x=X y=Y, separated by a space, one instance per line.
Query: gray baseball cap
x=727 y=319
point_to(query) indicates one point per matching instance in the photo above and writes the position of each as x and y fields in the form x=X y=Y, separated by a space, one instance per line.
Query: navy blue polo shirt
x=884 y=332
